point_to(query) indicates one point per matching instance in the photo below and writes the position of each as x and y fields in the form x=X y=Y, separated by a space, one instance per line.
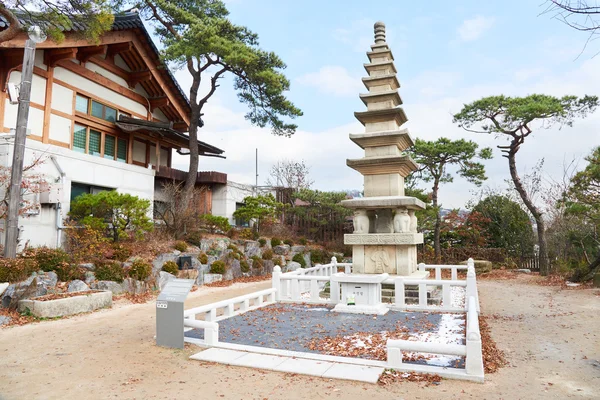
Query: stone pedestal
x=385 y=226
x=363 y=289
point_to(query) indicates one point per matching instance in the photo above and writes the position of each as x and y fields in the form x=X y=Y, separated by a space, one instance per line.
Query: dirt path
x=551 y=338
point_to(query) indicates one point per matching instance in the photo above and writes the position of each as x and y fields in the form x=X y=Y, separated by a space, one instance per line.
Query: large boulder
x=481 y=266
x=252 y=248
x=267 y=267
x=307 y=260
x=114 y=287
x=158 y=262
x=89 y=277
x=77 y=286
x=4 y=320
x=32 y=287
x=281 y=250
x=164 y=278
x=50 y=279
x=291 y=266
x=233 y=271
x=298 y=249
x=131 y=285
x=210 y=278
x=87 y=266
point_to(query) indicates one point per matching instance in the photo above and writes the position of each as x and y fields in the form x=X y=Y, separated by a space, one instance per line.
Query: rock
x=523 y=270
x=163 y=278
x=3 y=287
x=77 y=286
x=114 y=287
x=481 y=266
x=89 y=277
x=50 y=279
x=298 y=249
x=282 y=249
x=307 y=260
x=130 y=285
x=291 y=266
x=87 y=266
x=23 y=290
x=234 y=270
x=158 y=262
x=252 y=248
x=596 y=280
x=267 y=267
x=176 y=252
x=4 y=320
x=210 y=278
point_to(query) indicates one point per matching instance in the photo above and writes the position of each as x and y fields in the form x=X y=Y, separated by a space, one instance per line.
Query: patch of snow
x=457 y=296
x=450 y=331
x=307 y=296
x=573 y=284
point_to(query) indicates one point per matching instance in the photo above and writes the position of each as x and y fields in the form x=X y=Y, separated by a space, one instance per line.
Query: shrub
x=66 y=271
x=194 y=238
x=247 y=234
x=16 y=269
x=275 y=242
x=85 y=244
x=278 y=260
x=121 y=252
x=214 y=223
x=289 y=242
x=109 y=271
x=257 y=262
x=203 y=258
x=262 y=242
x=114 y=214
x=319 y=256
x=299 y=258
x=267 y=254
x=244 y=266
x=48 y=259
x=233 y=233
x=218 y=267
x=233 y=247
x=180 y=245
x=140 y=270
x=303 y=241
x=171 y=267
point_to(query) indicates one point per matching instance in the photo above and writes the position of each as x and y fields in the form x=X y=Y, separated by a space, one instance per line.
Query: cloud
x=472 y=29
x=332 y=79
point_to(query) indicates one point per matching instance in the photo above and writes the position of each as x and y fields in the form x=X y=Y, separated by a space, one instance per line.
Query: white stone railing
x=471 y=351
x=439 y=267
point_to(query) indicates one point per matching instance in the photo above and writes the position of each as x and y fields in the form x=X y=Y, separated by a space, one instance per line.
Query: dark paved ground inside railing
x=293 y=326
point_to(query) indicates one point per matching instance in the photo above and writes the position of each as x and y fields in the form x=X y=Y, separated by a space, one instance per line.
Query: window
x=239 y=221
x=77 y=189
x=109 y=146
x=101 y=111
x=82 y=104
x=122 y=150
x=94 y=143
x=79 y=138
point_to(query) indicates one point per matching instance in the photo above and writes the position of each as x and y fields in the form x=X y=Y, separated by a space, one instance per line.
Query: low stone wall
x=86 y=302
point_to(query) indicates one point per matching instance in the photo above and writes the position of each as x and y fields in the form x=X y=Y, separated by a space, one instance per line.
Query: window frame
x=102 y=148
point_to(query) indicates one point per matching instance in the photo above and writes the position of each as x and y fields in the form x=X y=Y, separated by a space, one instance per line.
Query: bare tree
x=582 y=15
x=290 y=174
x=177 y=215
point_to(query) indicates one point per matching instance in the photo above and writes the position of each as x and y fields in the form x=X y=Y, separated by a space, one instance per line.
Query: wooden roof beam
x=9 y=60
x=85 y=53
x=52 y=57
x=117 y=48
x=137 y=77
x=180 y=126
x=157 y=102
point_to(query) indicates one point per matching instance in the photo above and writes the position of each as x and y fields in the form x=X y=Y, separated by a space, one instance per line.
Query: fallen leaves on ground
x=390 y=376
x=243 y=279
x=493 y=357
x=15 y=317
x=139 y=298
x=499 y=275
x=57 y=296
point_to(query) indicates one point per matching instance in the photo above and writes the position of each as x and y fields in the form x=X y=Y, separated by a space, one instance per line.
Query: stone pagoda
x=385 y=234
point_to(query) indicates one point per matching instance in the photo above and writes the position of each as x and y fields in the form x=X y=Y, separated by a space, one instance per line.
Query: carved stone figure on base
x=401 y=221
x=381 y=260
x=413 y=220
x=361 y=221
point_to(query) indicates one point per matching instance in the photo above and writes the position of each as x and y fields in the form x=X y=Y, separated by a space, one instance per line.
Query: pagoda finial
x=379 y=32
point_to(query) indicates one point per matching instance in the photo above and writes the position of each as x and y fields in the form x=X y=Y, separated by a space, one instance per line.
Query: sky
x=446 y=53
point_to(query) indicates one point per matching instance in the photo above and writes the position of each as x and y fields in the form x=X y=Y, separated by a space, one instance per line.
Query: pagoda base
x=391 y=259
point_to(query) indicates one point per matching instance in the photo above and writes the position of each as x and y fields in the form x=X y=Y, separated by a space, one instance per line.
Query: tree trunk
x=594 y=268
x=438 y=223
x=190 y=182
x=537 y=214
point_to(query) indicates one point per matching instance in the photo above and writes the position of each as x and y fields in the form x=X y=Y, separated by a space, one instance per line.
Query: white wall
x=40 y=229
x=224 y=198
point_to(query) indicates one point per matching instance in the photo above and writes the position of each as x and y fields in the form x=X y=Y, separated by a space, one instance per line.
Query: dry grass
x=243 y=279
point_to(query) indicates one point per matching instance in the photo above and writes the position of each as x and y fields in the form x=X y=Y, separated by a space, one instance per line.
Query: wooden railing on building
x=202 y=178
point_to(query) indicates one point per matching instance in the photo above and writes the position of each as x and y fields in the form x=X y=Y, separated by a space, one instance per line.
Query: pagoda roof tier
x=400 y=138
x=380 y=80
x=384 y=165
x=380 y=97
x=379 y=53
x=378 y=66
x=372 y=203
x=388 y=114
x=379 y=46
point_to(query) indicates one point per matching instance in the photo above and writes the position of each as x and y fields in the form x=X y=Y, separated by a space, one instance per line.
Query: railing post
x=276 y=282
x=295 y=289
x=259 y=301
x=314 y=290
x=334 y=263
x=399 y=294
x=211 y=335
x=334 y=291
x=474 y=358
x=423 y=295
x=245 y=305
x=446 y=296
x=438 y=273
x=471 y=286
x=211 y=315
x=422 y=267
x=394 y=355
x=229 y=310
x=454 y=273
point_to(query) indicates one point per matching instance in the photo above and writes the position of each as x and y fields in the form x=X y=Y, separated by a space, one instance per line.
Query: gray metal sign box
x=169 y=312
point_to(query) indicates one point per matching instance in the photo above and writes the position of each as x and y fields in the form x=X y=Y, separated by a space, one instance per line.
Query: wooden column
x=2 y=103
x=48 y=105
x=157 y=155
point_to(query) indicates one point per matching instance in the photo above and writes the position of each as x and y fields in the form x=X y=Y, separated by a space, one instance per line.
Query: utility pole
x=256 y=169
x=16 y=175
